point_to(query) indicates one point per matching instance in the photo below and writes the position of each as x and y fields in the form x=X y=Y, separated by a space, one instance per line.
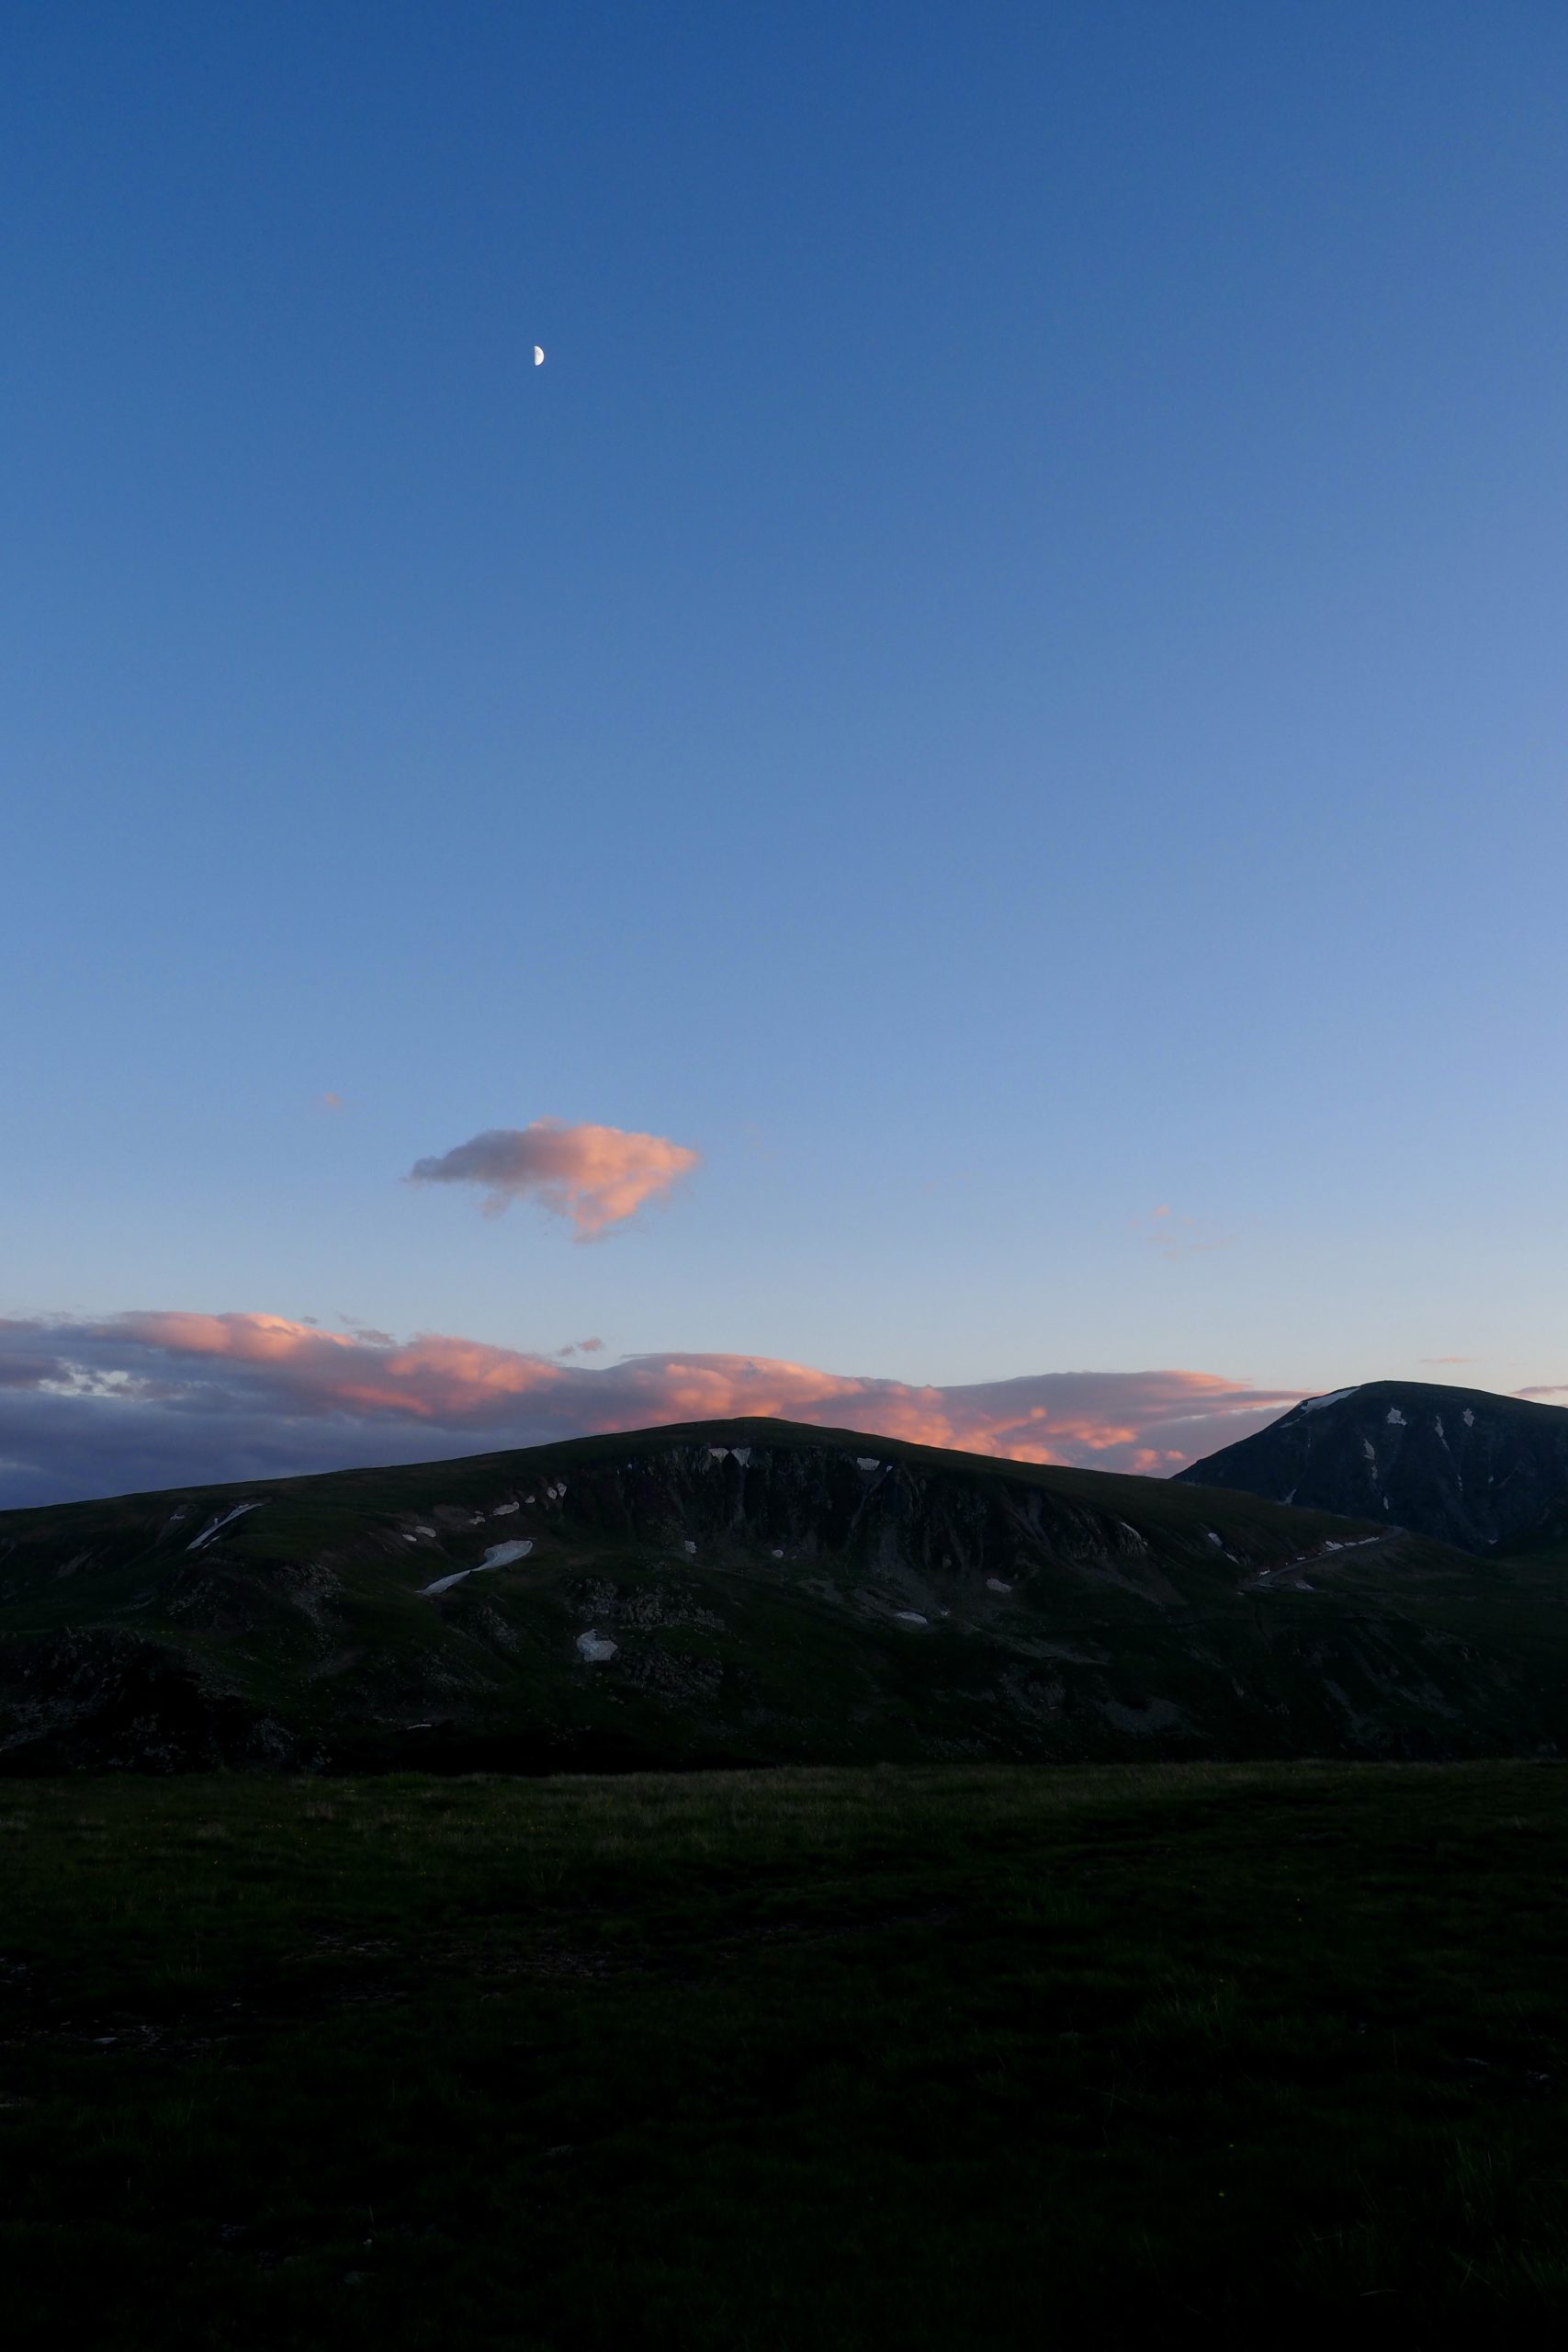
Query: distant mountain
x=1482 y=1472
x=751 y=1592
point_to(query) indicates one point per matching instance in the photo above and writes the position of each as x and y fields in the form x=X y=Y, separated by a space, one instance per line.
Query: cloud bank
x=166 y=1399
x=596 y=1176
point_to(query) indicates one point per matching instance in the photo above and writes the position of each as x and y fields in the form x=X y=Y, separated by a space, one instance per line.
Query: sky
x=964 y=788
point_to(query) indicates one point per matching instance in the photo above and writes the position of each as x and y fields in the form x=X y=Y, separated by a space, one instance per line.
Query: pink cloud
x=596 y=1176
x=160 y=1398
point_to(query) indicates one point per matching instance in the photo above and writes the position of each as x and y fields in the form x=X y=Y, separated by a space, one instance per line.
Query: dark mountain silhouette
x=752 y=1592
x=1482 y=1472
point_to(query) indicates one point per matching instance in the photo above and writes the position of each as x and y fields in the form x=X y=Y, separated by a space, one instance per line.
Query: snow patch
x=596 y=1646
x=995 y=1584
x=1469 y=1419
x=423 y=1531
x=442 y=1584
x=1395 y=1418
x=501 y=1556
x=504 y=1511
x=1369 y=1448
x=910 y=1617
x=778 y=1555
x=743 y=1454
x=870 y=1462
x=718 y=1453
x=690 y=1549
x=199 y=1542
x=1316 y=1404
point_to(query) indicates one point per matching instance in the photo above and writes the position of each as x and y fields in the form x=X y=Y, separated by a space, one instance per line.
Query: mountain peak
x=1469 y=1467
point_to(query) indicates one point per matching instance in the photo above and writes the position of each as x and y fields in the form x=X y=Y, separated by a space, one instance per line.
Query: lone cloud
x=596 y=1176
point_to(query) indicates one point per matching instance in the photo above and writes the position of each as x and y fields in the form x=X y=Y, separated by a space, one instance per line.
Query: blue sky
x=1005 y=676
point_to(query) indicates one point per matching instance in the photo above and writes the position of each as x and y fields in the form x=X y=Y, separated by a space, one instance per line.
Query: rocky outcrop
x=1465 y=1467
x=101 y=1700
x=882 y=1512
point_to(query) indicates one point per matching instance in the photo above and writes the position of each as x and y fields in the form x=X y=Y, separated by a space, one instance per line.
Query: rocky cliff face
x=1485 y=1473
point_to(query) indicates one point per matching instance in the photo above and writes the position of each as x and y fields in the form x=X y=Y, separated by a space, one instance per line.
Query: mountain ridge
x=745 y=1591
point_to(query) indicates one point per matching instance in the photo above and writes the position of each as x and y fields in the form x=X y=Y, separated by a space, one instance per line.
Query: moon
x=539 y=354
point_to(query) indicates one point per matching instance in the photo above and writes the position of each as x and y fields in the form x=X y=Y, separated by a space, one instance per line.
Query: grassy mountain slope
x=749 y=1591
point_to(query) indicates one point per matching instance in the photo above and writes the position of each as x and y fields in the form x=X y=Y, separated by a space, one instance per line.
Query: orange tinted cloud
x=596 y=1176
x=154 y=1400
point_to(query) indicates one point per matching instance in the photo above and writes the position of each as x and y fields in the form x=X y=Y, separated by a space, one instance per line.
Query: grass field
x=803 y=2060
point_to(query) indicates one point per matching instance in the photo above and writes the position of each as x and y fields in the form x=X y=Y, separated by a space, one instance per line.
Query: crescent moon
x=539 y=354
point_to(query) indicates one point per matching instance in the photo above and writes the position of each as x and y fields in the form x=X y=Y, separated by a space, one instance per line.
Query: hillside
x=1485 y=1473
x=748 y=1591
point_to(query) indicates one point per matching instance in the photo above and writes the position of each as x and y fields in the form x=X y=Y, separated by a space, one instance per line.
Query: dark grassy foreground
x=925 y=2057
